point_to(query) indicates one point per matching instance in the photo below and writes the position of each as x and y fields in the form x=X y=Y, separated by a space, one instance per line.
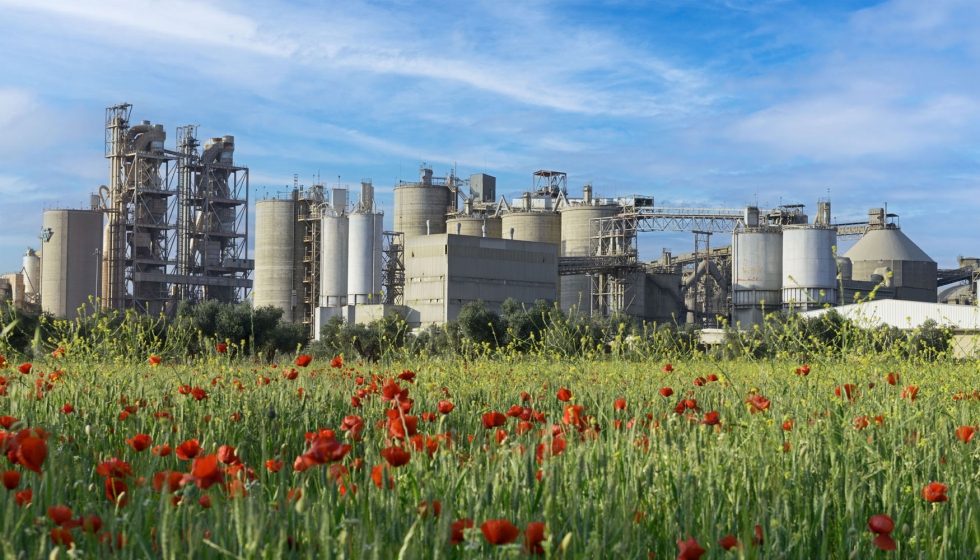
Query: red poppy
x=167 y=479
x=188 y=450
x=881 y=525
x=884 y=542
x=91 y=523
x=424 y=508
x=689 y=549
x=556 y=448
x=499 y=531
x=965 y=433
x=199 y=394
x=7 y=421
x=226 y=454
x=67 y=409
x=847 y=390
x=620 y=404
x=456 y=535
x=400 y=427
x=910 y=392
x=117 y=491
x=804 y=371
x=61 y=536
x=11 y=479
x=700 y=382
x=788 y=425
x=162 y=450
x=115 y=468
x=525 y=396
x=757 y=403
x=24 y=497
x=712 y=378
x=24 y=368
x=861 y=422
x=396 y=456
x=573 y=415
x=935 y=492
x=407 y=375
x=140 y=442
x=564 y=395
x=31 y=453
x=667 y=391
x=274 y=465
x=60 y=514
x=445 y=407
x=378 y=476
x=204 y=501
x=155 y=360
x=711 y=419
x=668 y=368
x=729 y=542
x=757 y=538
x=337 y=362
x=205 y=472
x=534 y=536
x=221 y=347
x=353 y=425
x=892 y=379
x=493 y=420
x=303 y=360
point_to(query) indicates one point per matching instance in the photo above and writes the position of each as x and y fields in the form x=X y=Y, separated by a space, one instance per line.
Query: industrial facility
x=171 y=225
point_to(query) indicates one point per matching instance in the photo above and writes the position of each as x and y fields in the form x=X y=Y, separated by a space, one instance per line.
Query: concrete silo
x=275 y=256
x=335 y=228
x=421 y=208
x=32 y=276
x=365 y=245
x=576 y=239
x=71 y=261
x=886 y=249
x=757 y=274
x=809 y=267
x=474 y=222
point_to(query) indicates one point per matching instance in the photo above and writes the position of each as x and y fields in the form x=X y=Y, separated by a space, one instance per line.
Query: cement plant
x=172 y=224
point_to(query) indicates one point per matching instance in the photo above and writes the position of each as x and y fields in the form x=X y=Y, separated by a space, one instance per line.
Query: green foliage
x=480 y=325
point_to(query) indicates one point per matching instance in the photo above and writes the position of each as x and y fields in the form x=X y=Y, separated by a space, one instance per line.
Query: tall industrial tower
x=207 y=220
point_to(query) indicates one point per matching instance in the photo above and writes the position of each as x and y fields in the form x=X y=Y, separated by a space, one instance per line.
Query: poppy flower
x=274 y=465
x=892 y=379
x=91 y=523
x=757 y=538
x=199 y=394
x=61 y=537
x=162 y=450
x=689 y=549
x=847 y=390
x=424 y=508
x=700 y=382
x=114 y=468
x=861 y=422
x=534 y=536
x=226 y=454
x=155 y=360
x=965 y=433
x=804 y=371
x=910 y=392
x=337 y=362
x=666 y=391
x=31 y=453
x=564 y=395
x=204 y=501
x=60 y=514
x=221 y=347
x=25 y=368
x=668 y=368
x=556 y=448
x=67 y=409
x=378 y=476
x=499 y=531
x=396 y=456
x=140 y=442
x=935 y=492
x=525 y=396
x=573 y=415
x=445 y=407
x=303 y=360
x=188 y=450
x=24 y=497
x=493 y=420
x=400 y=427
x=117 y=491
x=711 y=419
x=205 y=472
x=11 y=479
x=712 y=378
x=167 y=479
x=788 y=425
x=757 y=403
x=620 y=404
x=7 y=422
x=407 y=375
x=729 y=542
x=881 y=525
x=456 y=534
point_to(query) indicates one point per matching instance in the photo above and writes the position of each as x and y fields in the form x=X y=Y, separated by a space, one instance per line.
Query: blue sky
x=695 y=102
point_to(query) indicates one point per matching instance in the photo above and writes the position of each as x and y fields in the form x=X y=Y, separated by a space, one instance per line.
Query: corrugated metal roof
x=907 y=314
x=886 y=245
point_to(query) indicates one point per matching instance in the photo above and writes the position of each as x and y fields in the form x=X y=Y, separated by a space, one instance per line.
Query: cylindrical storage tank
x=576 y=238
x=32 y=275
x=809 y=268
x=417 y=204
x=71 y=261
x=757 y=275
x=845 y=268
x=543 y=227
x=364 y=263
x=333 y=261
x=275 y=226
x=474 y=226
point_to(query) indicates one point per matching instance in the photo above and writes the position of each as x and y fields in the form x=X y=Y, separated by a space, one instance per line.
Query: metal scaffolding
x=393 y=268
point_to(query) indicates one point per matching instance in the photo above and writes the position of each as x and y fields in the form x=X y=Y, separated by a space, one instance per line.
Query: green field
x=809 y=469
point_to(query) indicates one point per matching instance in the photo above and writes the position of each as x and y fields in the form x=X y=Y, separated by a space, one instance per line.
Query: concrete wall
x=445 y=272
x=657 y=298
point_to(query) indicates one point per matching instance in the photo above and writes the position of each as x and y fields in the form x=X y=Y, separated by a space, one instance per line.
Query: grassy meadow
x=489 y=458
